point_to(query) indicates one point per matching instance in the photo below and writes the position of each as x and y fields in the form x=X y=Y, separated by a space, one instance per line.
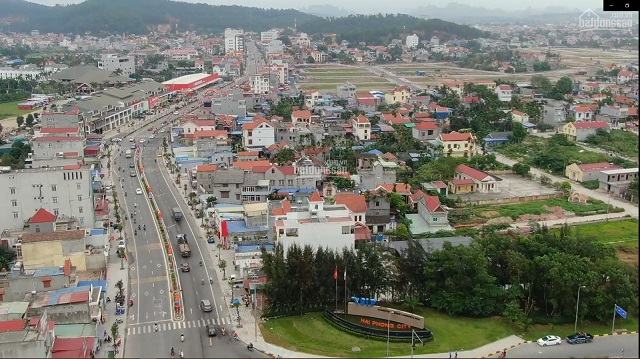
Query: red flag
x=335 y=273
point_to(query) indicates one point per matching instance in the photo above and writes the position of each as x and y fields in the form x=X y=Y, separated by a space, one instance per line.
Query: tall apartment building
x=412 y=41
x=113 y=62
x=270 y=35
x=233 y=40
x=63 y=189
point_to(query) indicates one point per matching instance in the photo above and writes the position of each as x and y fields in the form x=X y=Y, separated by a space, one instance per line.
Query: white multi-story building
x=64 y=190
x=26 y=72
x=281 y=67
x=412 y=41
x=317 y=225
x=180 y=54
x=270 y=35
x=233 y=40
x=346 y=90
x=125 y=64
x=258 y=134
x=361 y=127
x=259 y=84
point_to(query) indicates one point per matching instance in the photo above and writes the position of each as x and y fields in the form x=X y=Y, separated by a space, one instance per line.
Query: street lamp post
x=388 y=330
x=413 y=344
x=575 y=325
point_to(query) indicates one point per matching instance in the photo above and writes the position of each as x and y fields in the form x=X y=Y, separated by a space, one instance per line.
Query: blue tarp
x=97 y=231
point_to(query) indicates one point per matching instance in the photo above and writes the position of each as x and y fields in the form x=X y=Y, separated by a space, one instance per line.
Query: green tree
x=115 y=333
x=564 y=85
x=211 y=201
x=284 y=156
x=518 y=133
x=310 y=60
x=29 y=121
x=20 y=120
x=7 y=257
x=521 y=168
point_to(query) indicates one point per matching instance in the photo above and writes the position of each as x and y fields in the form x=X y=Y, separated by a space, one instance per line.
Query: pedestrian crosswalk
x=167 y=326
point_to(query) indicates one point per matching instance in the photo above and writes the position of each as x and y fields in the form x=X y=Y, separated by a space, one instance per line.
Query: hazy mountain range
x=461 y=13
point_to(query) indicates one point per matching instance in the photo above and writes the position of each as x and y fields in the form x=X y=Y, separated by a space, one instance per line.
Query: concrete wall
x=77 y=313
x=54 y=253
x=96 y=261
x=20 y=286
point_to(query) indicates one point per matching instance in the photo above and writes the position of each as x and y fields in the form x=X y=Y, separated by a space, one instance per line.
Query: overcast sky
x=384 y=6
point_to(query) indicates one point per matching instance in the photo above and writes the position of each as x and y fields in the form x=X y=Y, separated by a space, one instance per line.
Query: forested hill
x=143 y=16
x=381 y=29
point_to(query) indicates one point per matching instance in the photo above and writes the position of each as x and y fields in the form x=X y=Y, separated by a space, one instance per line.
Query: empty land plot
x=382 y=86
x=582 y=57
x=330 y=73
x=340 y=80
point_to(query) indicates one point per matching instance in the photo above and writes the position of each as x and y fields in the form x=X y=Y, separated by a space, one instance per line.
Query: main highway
x=149 y=279
x=615 y=346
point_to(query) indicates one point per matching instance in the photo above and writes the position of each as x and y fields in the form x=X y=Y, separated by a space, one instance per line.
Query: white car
x=121 y=244
x=141 y=140
x=138 y=191
x=549 y=340
x=152 y=137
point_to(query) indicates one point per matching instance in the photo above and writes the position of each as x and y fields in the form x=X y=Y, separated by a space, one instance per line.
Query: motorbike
x=108 y=300
x=210 y=280
x=130 y=303
x=173 y=352
x=224 y=331
x=119 y=321
x=250 y=347
x=182 y=337
x=203 y=282
x=135 y=232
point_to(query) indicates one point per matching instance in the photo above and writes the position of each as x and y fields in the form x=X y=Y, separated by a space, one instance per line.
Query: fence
x=424 y=334
x=480 y=202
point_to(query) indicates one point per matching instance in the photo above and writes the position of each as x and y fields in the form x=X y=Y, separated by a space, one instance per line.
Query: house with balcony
x=519 y=116
x=301 y=117
x=554 y=113
x=580 y=130
x=192 y=126
x=258 y=134
x=361 y=127
x=468 y=179
x=399 y=94
x=453 y=144
x=504 y=92
x=582 y=113
x=310 y=98
x=355 y=203
x=346 y=90
x=373 y=170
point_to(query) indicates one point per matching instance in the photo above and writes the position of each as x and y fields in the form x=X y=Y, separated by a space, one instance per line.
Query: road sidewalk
x=247 y=327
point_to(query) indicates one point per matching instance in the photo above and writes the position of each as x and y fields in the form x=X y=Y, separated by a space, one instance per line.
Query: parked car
x=211 y=240
x=579 y=338
x=132 y=174
x=549 y=340
x=131 y=165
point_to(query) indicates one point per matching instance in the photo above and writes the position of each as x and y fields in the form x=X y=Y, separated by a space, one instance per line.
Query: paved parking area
x=511 y=186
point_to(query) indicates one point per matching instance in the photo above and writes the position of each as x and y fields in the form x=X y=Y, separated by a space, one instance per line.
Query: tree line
x=527 y=279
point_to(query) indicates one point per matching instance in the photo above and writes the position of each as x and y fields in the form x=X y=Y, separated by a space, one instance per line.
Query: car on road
x=131 y=165
x=211 y=329
x=141 y=140
x=185 y=267
x=211 y=240
x=152 y=137
x=579 y=338
x=163 y=130
x=206 y=306
x=176 y=113
x=549 y=340
x=133 y=174
x=138 y=191
x=133 y=147
x=131 y=139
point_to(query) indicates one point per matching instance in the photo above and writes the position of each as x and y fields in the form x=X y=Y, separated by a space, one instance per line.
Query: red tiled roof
x=439 y=184
x=301 y=114
x=633 y=111
x=389 y=156
x=505 y=87
x=206 y=168
x=315 y=197
x=209 y=133
x=423 y=115
x=248 y=153
x=426 y=125
x=518 y=113
x=455 y=136
x=362 y=119
x=586 y=167
x=400 y=187
x=53 y=236
x=362 y=233
x=416 y=196
x=248 y=165
x=458 y=182
x=254 y=124
x=12 y=325
x=366 y=100
x=433 y=203
x=72 y=347
x=590 y=124
x=355 y=202
x=42 y=216
x=286 y=208
x=472 y=172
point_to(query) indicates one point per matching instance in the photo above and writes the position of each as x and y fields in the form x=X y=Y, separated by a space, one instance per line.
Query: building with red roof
x=469 y=179
x=580 y=130
x=454 y=144
x=588 y=171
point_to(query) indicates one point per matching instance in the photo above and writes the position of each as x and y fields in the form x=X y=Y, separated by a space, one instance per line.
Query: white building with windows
x=270 y=35
x=64 y=190
x=233 y=40
x=315 y=224
x=258 y=134
x=412 y=41
x=259 y=84
x=125 y=64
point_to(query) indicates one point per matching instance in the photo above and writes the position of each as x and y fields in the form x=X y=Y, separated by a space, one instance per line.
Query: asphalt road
x=142 y=340
x=148 y=284
x=392 y=77
x=601 y=347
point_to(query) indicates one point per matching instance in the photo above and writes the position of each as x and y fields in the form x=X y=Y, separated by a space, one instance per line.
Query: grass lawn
x=312 y=334
x=341 y=80
x=10 y=109
x=616 y=232
x=623 y=142
x=360 y=86
x=535 y=207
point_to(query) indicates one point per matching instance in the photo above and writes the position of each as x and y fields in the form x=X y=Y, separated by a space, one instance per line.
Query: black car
x=579 y=338
x=211 y=329
x=131 y=165
x=185 y=267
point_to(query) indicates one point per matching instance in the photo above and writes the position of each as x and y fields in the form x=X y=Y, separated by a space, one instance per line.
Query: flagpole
x=613 y=325
x=336 y=278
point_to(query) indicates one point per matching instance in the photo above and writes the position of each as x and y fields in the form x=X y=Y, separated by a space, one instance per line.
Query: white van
x=127 y=154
